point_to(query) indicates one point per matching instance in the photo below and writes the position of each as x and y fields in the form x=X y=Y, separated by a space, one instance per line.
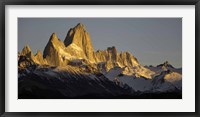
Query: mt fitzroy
x=77 y=48
x=73 y=69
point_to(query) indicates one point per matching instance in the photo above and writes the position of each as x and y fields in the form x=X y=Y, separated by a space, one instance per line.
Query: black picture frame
x=98 y=2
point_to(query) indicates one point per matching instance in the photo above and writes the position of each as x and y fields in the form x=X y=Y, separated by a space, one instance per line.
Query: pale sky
x=151 y=40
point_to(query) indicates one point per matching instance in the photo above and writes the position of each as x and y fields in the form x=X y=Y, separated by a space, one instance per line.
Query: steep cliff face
x=106 y=55
x=26 y=57
x=112 y=58
x=26 y=50
x=127 y=59
x=39 y=58
x=77 y=46
x=55 y=52
x=72 y=69
x=78 y=39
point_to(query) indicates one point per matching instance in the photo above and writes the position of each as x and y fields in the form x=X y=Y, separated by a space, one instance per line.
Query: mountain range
x=73 y=69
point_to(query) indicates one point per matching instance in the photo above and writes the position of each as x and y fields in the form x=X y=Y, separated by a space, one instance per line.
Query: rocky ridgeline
x=77 y=47
x=72 y=69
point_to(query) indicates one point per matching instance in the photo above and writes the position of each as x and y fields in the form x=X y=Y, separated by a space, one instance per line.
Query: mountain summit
x=78 y=46
x=53 y=51
x=72 y=69
x=79 y=39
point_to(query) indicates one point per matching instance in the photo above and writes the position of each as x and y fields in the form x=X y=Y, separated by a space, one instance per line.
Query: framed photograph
x=99 y=58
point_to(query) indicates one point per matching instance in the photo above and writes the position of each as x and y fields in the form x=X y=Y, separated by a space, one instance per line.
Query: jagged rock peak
x=77 y=35
x=79 y=39
x=39 y=53
x=26 y=50
x=39 y=58
x=27 y=47
x=127 y=52
x=80 y=26
x=26 y=53
x=112 y=48
x=53 y=37
x=165 y=64
x=54 y=42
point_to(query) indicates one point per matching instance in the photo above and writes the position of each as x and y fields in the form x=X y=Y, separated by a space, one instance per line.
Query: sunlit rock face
x=112 y=58
x=78 y=46
x=73 y=69
x=55 y=52
x=39 y=58
x=77 y=50
x=26 y=50
x=78 y=39
x=27 y=58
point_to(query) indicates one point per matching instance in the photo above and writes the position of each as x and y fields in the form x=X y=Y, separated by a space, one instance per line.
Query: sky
x=151 y=40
